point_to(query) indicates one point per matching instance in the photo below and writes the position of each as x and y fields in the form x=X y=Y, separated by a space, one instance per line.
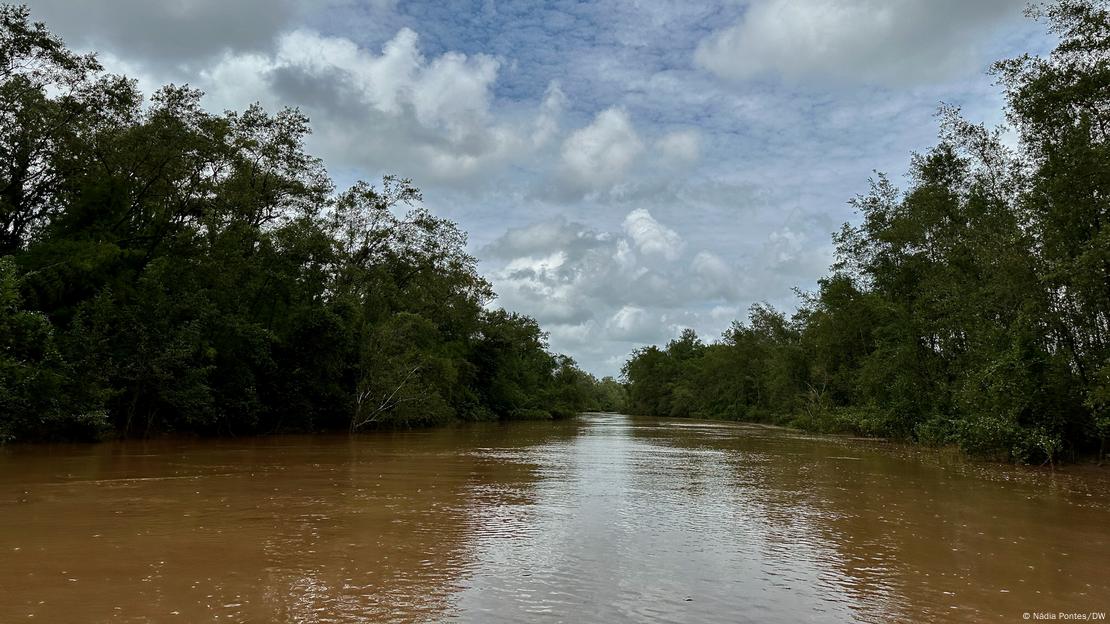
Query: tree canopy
x=972 y=308
x=167 y=269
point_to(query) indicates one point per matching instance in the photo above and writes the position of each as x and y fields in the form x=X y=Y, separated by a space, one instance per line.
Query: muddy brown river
x=601 y=519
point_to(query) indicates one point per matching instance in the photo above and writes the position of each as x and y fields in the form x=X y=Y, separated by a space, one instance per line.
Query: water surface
x=602 y=519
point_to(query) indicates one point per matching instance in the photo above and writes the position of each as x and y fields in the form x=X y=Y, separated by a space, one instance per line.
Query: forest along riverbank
x=600 y=518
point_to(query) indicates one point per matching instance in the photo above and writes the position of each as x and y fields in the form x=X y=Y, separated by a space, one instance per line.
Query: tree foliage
x=972 y=308
x=163 y=268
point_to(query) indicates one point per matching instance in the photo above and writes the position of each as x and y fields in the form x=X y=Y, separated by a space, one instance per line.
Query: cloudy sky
x=625 y=169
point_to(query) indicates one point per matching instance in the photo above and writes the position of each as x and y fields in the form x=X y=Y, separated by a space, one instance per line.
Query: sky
x=625 y=169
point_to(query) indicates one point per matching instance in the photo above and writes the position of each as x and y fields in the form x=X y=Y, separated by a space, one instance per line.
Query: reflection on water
x=605 y=519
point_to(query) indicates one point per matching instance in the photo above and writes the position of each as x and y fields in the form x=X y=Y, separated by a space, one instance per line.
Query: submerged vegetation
x=164 y=269
x=972 y=309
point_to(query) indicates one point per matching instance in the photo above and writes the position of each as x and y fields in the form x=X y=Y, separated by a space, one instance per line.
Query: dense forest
x=166 y=269
x=970 y=309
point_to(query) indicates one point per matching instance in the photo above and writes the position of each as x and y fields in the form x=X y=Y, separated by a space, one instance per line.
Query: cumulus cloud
x=395 y=109
x=597 y=156
x=651 y=237
x=634 y=324
x=547 y=123
x=602 y=293
x=605 y=292
x=883 y=41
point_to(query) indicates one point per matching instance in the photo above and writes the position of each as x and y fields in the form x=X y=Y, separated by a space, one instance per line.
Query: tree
x=172 y=269
x=973 y=308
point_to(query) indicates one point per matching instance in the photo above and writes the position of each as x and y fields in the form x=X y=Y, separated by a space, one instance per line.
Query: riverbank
x=853 y=423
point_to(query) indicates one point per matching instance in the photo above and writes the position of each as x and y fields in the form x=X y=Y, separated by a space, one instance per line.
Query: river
x=600 y=519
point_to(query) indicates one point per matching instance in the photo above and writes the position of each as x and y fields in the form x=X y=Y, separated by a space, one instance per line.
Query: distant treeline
x=971 y=309
x=167 y=269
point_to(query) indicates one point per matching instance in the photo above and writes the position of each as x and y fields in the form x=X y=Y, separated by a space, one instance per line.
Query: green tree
x=177 y=270
x=973 y=308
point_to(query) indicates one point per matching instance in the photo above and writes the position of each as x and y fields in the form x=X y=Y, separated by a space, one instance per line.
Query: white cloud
x=452 y=93
x=715 y=278
x=597 y=156
x=652 y=237
x=792 y=253
x=237 y=78
x=543 y=266
x=605 y=292
x=679 y=148
x=545 y=237
x=635 y=324
x=547 y=123
x=884 y=41
x=397 y=110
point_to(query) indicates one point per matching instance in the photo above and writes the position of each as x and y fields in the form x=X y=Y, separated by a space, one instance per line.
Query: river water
x=600 y=519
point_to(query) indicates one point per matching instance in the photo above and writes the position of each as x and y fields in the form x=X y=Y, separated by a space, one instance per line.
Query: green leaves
x=972 y=309
x=177 y=270
x=38 y=398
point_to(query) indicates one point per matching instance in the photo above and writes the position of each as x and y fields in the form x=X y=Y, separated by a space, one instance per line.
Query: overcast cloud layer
x=625 y=170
